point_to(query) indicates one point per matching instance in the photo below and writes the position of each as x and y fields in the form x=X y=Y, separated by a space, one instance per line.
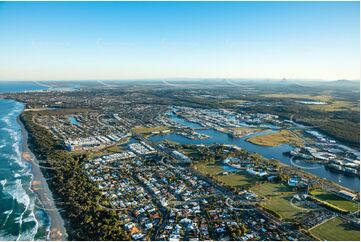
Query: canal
x=276 y=152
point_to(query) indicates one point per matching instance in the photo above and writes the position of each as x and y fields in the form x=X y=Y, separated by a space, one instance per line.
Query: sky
x=147 y=40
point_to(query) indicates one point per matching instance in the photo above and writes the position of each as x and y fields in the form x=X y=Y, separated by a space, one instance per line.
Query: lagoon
x=276 y=152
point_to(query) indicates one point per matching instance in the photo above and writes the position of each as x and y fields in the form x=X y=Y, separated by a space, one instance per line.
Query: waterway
x=21 y=216
x=351 y=182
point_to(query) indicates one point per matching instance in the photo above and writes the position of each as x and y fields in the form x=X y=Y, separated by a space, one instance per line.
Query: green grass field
x=335 y=200
x=299 y=96
x=278 y=197
x=145 y=130
x=115 y=149
x=238 y=179
x=234 y=101
x=191 y=152
x=276 y=139
x=336 y=106
x=336 y=229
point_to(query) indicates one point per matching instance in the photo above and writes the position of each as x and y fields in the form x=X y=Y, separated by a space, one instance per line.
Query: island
x=276 y=138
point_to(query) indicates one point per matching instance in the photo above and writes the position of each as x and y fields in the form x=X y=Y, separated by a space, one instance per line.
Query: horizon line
x=184 y=79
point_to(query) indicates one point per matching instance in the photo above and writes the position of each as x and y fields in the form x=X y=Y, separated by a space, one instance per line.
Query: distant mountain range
x=342 y=83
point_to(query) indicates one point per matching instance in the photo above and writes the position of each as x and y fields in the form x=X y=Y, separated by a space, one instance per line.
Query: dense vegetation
x=342 y=123
x=340 y=118
x=86 y=219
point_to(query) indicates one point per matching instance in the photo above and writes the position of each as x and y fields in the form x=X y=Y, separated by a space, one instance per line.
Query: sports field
x=238 y=179
x=336 y=229
x=145 y=130
x=278 y=199
x=298 y=96
x=336 y=200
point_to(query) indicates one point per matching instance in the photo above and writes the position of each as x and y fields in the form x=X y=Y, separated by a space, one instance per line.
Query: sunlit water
x=277 y=152
x=20 y=217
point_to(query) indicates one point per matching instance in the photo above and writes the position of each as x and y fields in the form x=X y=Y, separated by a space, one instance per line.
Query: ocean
x=21 y=215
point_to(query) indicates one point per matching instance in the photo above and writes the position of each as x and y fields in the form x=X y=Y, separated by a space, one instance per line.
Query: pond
x=229 y=168
x=73 y=120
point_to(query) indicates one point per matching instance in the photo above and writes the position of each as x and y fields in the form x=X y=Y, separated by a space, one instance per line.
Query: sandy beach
x=40 y=187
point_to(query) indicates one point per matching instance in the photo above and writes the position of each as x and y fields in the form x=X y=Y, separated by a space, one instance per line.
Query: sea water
x=21 y=216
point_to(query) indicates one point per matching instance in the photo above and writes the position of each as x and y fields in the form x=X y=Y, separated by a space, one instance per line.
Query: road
x=284 y=227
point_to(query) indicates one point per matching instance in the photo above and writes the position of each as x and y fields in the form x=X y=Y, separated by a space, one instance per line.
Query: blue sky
x=137 y=40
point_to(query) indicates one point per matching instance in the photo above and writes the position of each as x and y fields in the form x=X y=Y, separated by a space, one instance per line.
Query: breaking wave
x=19 y=220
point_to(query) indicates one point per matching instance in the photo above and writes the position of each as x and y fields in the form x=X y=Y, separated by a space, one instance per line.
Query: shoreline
x=40 y=187
x=334 y=183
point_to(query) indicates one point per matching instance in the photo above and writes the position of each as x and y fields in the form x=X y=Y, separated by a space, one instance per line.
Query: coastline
x=41 y=189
